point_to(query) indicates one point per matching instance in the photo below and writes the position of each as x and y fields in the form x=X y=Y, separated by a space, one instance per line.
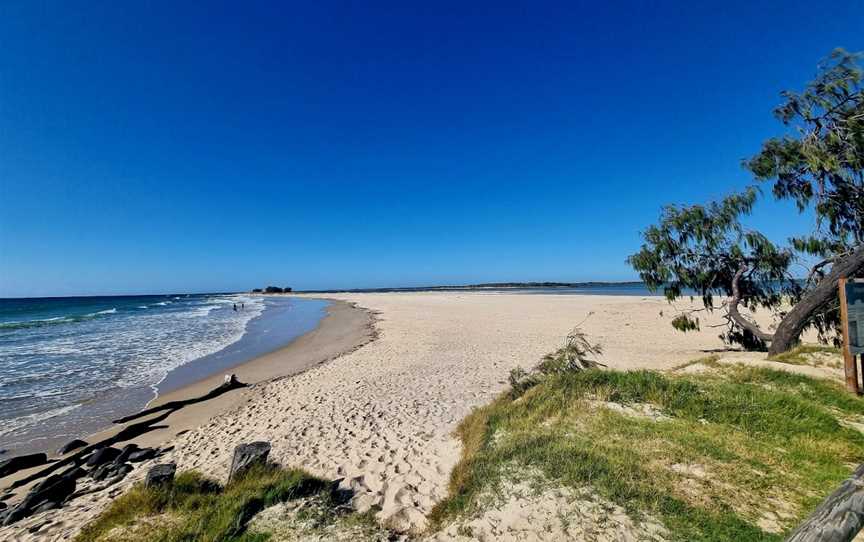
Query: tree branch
x=735 y=315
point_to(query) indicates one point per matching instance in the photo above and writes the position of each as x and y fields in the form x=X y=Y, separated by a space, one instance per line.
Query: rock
x=102 y=456
x=127 y=450
x=74 y=472
x=248 y=455
x=142 y=455
x=21 y=462
x=2 y=505
x=70 y=446
x=45 y=506
x=119 y=473
x=47 y=495
x=14 y=514
x=54 y=488
x=114 y=472
x=160 y=474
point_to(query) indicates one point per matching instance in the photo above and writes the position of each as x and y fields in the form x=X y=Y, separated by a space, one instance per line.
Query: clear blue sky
x=185 y=146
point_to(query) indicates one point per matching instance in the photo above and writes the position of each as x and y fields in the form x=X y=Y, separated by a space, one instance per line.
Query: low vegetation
x=735 y=453
x=811 y=354
x=196 y=508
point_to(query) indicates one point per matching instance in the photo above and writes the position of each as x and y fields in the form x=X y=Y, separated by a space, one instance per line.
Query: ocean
x=68 y=366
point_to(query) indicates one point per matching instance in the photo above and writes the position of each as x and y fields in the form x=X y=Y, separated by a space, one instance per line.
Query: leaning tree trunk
x=793 y=323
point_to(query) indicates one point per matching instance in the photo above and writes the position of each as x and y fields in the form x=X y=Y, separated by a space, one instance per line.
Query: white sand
x=382 y=416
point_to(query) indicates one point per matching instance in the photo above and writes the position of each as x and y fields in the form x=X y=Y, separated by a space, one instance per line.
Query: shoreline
x=343 y=329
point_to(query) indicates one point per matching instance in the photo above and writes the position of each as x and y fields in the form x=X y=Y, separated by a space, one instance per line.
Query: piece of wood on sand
x=840 y=516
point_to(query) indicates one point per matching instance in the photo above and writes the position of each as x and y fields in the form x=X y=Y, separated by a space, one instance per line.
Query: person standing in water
x=235 y=307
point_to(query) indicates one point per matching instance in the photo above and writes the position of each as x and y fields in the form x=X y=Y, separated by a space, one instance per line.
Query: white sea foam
x=49 y=367
x=10 y=426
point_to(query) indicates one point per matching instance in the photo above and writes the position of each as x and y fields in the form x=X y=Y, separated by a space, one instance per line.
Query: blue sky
x=150 y=147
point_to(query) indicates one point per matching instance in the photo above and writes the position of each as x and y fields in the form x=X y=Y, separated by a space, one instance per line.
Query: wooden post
x=840 y=516
x=848 y=359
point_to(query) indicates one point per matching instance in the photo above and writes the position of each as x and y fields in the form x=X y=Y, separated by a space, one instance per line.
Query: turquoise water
x=70 y=365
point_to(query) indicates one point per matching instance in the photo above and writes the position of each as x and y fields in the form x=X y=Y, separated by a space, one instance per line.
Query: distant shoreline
x=483 y=286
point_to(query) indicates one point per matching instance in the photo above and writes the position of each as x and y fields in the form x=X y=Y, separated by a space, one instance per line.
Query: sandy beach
x=378 y=407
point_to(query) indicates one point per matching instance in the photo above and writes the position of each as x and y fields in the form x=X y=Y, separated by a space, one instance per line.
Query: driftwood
x=839 y=517
x=130 y=432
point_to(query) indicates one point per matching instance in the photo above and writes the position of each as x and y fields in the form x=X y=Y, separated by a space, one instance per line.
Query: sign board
x=854 y=317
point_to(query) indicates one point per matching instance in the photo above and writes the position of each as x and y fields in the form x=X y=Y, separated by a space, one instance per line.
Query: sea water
x=68 y=366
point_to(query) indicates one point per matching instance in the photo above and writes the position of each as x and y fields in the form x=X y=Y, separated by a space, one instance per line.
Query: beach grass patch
x=740 y=453
x=811 y=354
x=196 y=508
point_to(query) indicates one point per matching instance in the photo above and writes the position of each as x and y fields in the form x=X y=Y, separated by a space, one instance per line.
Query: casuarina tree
x=819 y=164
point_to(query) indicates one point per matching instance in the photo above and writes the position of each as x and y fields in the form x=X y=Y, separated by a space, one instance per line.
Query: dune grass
x=195 y=508
x=804 y=355
x=742 y=453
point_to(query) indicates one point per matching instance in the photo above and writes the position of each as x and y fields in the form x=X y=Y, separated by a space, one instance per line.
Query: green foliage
x=195 y=508
x=819 y=164
x=763 y=437
x=577 y=354
x=685 y=323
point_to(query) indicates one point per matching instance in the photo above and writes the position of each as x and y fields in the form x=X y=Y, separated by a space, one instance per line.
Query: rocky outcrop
x=46 y=495
x=160 y=474
x=71 y=446
x=21 y=462
x=102 y=456
x=248 y=455
x=142 y=455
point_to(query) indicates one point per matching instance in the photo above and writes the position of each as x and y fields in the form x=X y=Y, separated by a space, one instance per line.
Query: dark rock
x=50 y=480
x=70 y=446
x=160 y=474
x=74 y=472
x=102 y=472
x=37 y=527
x=54 y=488
x=102 y=456
x=127 y=450
x=21 y=462
x=45 y=496
x=7 y=495
x=120 y=472
x=2 y=505
x=47 y=505
x=14 y=514
x=142 y=455
x=248 y=455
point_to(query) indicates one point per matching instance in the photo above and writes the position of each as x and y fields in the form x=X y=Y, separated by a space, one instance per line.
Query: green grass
x=197 y=509
x=803 y=355
x=769 y=441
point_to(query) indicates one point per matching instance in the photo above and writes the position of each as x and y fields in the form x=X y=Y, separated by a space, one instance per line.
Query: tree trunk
x=793 y=323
